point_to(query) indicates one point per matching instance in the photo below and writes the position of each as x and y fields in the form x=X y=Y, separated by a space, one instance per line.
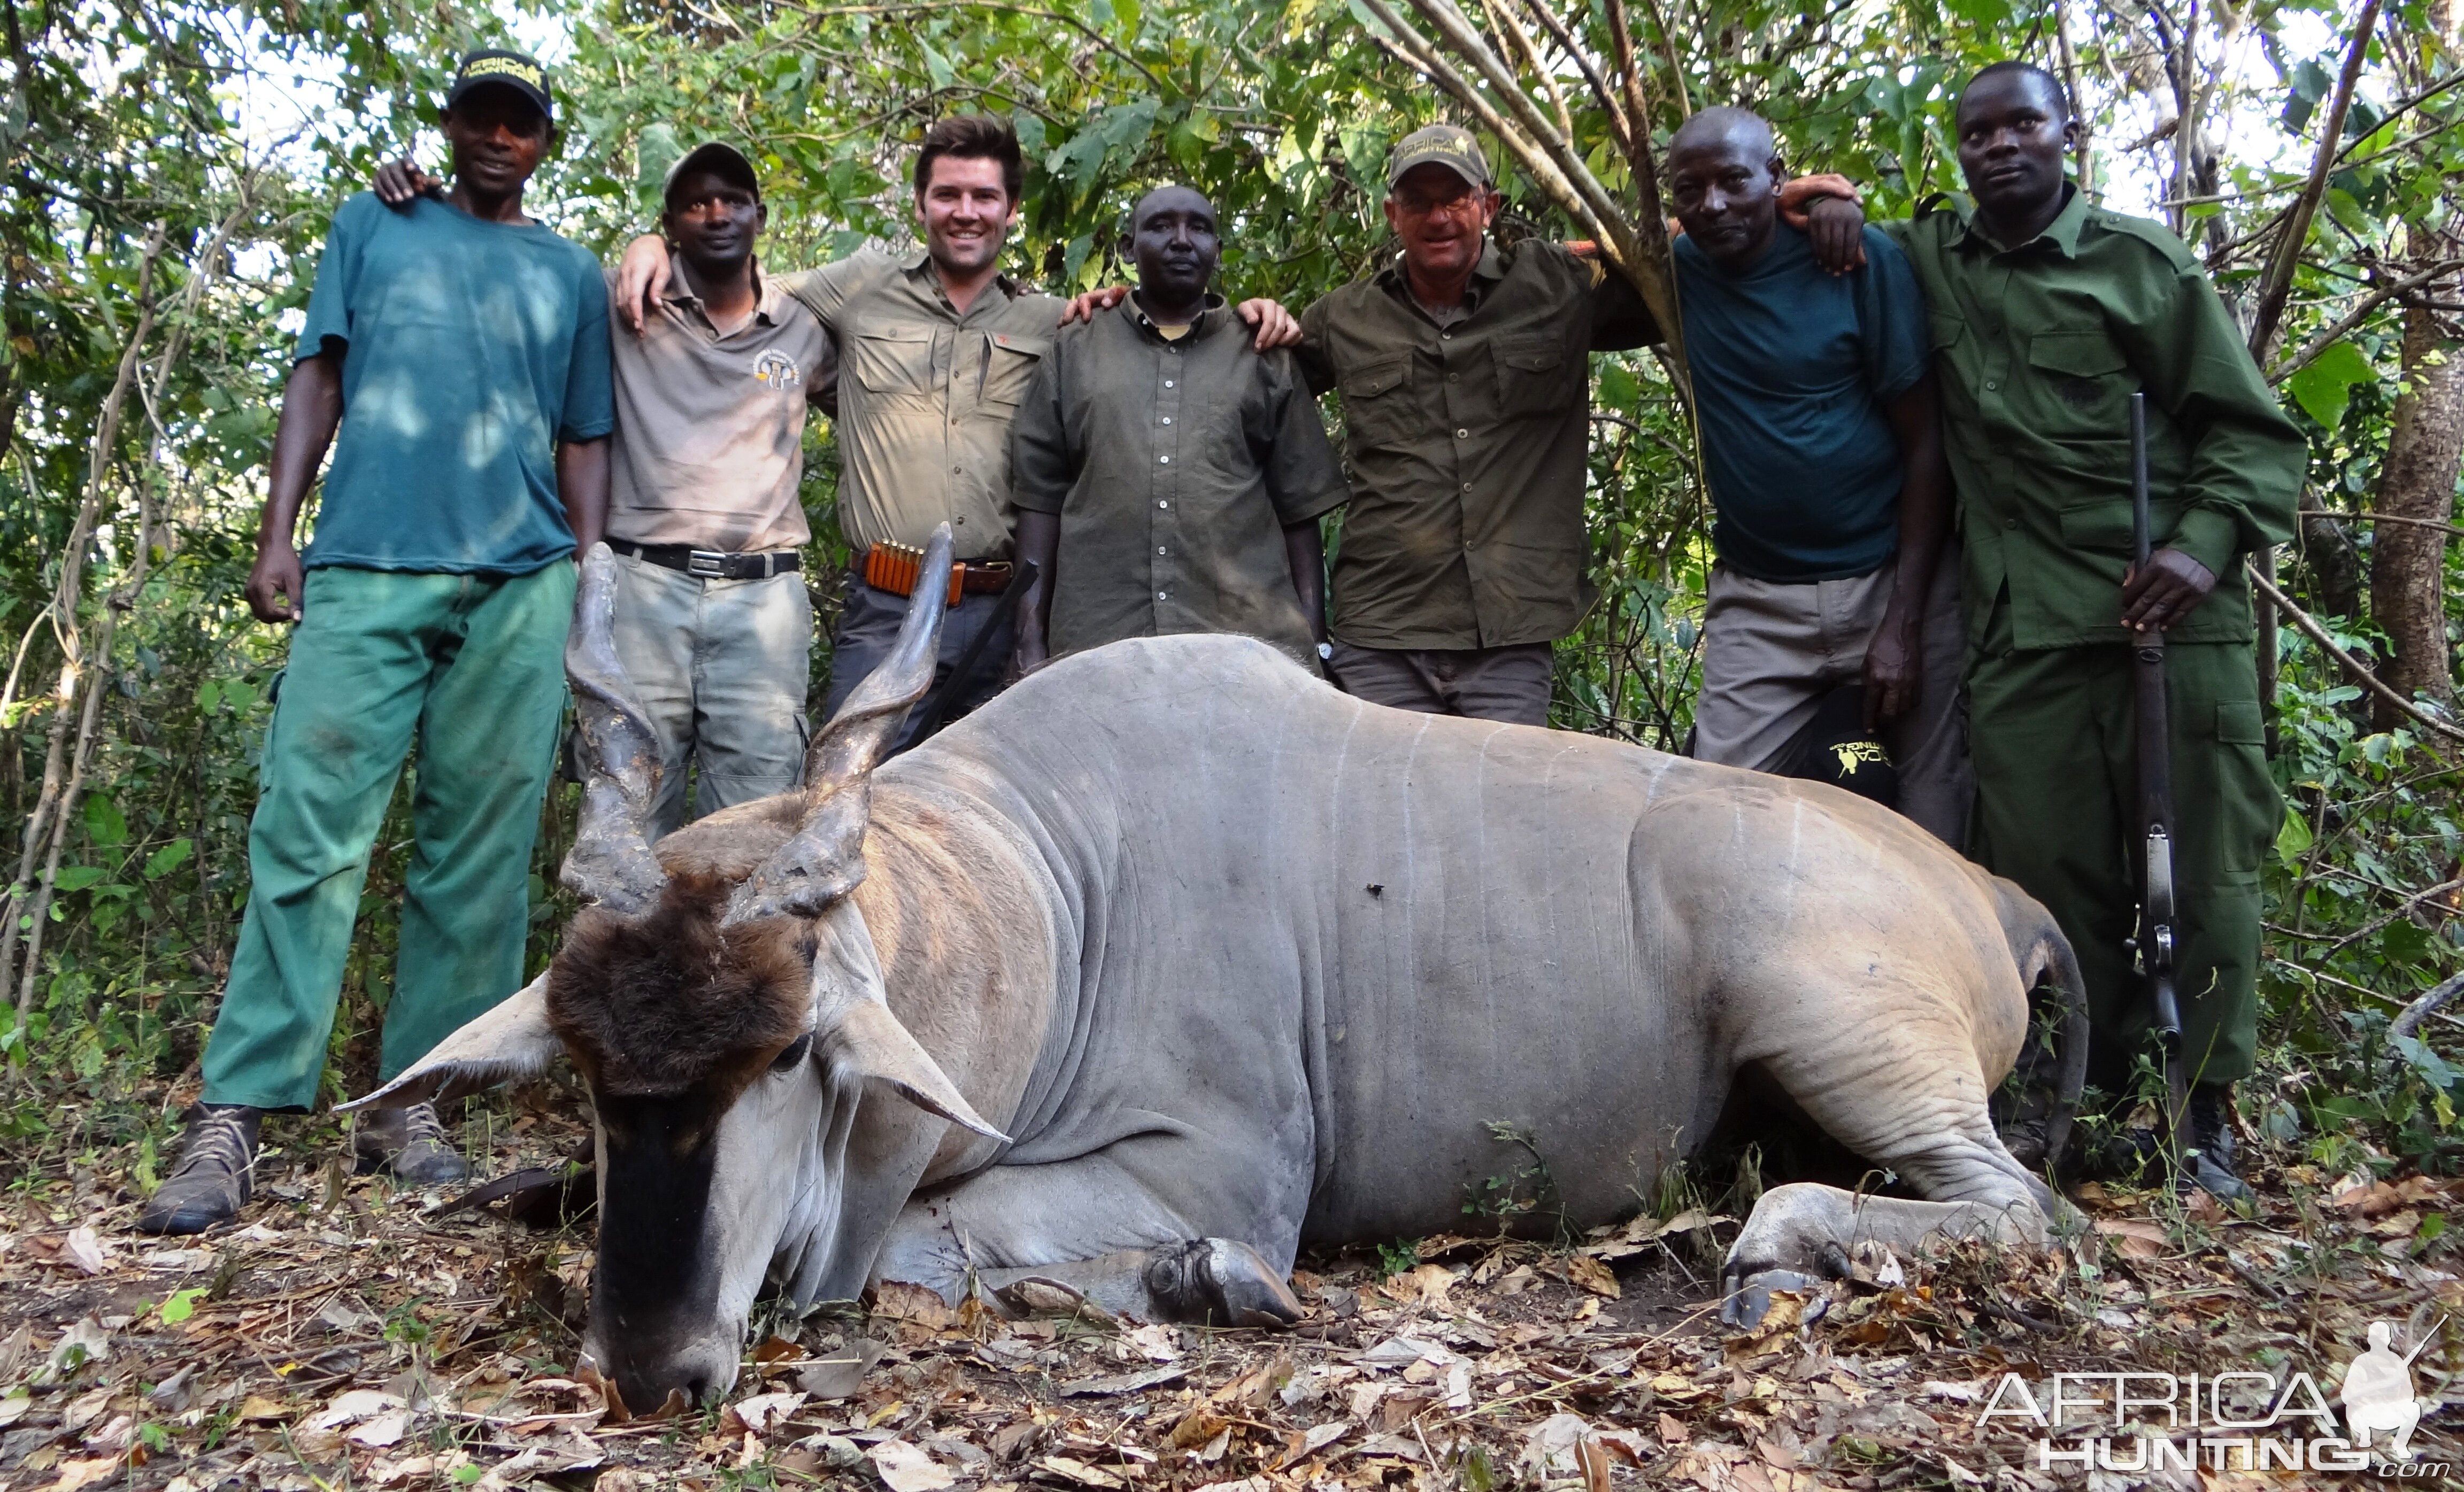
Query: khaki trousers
x=1771 y=651
x=722 y=667
x=1509 y=684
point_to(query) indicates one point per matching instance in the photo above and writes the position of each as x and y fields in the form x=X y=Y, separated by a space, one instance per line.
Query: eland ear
x=878 y=1045
x=513 y=1041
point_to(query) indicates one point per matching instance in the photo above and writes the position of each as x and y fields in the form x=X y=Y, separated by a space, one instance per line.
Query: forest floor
x=350 y=1335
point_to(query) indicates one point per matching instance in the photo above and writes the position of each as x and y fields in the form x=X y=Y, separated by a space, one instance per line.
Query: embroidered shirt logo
x=778 y=370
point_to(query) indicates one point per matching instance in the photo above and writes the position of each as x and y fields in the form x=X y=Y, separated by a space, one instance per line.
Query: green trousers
x=471 y=666
x=2056 y=779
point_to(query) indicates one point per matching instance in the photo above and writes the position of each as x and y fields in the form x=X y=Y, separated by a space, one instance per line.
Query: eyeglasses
x=1466 y=201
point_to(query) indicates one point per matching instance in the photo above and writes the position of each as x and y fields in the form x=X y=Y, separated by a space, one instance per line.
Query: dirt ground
x=347 y=1335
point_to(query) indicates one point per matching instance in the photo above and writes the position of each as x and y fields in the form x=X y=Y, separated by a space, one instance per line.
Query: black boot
x=2208 y=1162
x=211 y=1182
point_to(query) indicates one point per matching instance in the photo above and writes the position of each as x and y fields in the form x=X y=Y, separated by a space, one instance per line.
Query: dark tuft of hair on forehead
x=656 y=1004
x=2053 y=86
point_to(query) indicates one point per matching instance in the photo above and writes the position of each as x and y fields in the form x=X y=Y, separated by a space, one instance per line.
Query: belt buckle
x=707 y=562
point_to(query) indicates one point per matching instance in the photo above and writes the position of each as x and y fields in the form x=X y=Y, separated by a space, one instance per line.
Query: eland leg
x=1915 y=1105
x=1032 y=1237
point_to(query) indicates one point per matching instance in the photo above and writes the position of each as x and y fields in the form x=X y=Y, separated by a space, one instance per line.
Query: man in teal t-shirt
x=462 y=349
x=1832 y=502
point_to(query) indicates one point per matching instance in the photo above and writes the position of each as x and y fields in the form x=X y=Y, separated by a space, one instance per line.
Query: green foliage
x=1398 y=1258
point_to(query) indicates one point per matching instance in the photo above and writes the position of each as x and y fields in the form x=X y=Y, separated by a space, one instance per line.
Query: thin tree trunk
x=50 y=806
x=2333 y=560
x=2409 y=560
x=2276 y=285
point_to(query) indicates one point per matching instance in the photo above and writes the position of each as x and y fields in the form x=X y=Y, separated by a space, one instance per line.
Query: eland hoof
x=1749 y=1300
x=1222 y=1281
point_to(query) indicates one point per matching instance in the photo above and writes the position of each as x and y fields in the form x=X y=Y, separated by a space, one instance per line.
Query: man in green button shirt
x=2046 y=315
x=1168 y=475
x=1464 y=371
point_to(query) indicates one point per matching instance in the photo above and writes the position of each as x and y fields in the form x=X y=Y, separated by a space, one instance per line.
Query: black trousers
x=869 y=625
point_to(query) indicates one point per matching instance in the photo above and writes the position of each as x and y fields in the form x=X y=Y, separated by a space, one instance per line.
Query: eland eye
x=793 y=1053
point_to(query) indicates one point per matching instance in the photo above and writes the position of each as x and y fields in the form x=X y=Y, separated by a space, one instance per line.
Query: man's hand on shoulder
x=1276 y=326
x=402 y=181
x=1093 y=303
x=2165 y=592
x=640 y=272
x=1829 y=211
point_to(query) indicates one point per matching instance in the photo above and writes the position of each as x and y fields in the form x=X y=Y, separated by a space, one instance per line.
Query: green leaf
x=76 y=878
x=2293 y=838
x=169 y=858
x=104 y=823
x=943 y=74
x=2326 y=387
x=182 y=1305
x=655 y=149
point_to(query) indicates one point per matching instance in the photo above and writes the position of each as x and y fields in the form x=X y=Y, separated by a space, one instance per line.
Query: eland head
x=726 y=1006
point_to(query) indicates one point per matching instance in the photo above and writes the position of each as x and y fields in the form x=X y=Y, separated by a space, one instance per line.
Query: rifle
x=2152 y=948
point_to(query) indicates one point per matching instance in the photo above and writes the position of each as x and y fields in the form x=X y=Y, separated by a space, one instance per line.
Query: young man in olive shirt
x=1169 y=476
x=2047 y=314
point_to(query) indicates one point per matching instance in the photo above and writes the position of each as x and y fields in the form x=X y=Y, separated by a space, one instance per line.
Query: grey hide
x=1308 y=948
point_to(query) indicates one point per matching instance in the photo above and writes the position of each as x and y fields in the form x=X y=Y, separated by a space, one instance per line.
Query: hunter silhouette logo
x=2378 y=1392
x=1854 y=755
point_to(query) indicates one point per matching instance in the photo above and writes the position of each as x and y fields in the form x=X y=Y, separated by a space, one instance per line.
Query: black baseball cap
x=497 y=66
x=720 y=160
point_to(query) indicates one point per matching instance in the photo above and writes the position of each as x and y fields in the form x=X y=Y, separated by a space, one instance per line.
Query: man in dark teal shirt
x=1824 y=458
x=462 y=349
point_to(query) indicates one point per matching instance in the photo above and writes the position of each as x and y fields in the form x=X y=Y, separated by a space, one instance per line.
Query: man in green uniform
x=2046 y=315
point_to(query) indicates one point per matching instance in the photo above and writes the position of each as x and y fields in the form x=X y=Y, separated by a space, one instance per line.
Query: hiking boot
x=2208 y=1162
x=410 y=1142
x=213 y=1181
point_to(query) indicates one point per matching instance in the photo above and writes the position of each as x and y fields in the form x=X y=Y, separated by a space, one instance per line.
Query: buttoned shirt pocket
x=1377 y=402
x=1947 y=329
x=1530 y=375
x=2108 y=524
x=893 y=360
x=1009 y=365
x=2086 y=382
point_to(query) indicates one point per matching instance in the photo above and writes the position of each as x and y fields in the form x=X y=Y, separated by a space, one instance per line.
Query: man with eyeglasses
x=1463 y=367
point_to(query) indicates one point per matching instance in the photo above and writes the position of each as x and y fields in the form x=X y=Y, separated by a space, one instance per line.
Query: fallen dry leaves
x=349 y=1335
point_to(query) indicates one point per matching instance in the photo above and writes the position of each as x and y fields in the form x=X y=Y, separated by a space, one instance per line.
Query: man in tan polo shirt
x=936 y=351
x=712 y=622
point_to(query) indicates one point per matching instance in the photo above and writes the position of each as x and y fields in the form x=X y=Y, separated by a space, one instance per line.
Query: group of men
x=1913 y=435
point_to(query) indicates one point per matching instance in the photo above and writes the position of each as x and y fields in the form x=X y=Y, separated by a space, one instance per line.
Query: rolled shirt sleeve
x=1303 y=478
x=1039 y=469
x=589 y=386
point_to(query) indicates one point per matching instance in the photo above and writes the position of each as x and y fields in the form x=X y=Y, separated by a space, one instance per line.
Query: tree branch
x=2275 y=286
x=2351 y=664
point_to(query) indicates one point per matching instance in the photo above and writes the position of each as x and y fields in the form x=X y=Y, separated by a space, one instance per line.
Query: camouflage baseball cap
x=1448 y=146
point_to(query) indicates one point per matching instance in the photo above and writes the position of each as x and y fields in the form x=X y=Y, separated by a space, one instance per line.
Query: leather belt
x=893 y=568
x=713 y=565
